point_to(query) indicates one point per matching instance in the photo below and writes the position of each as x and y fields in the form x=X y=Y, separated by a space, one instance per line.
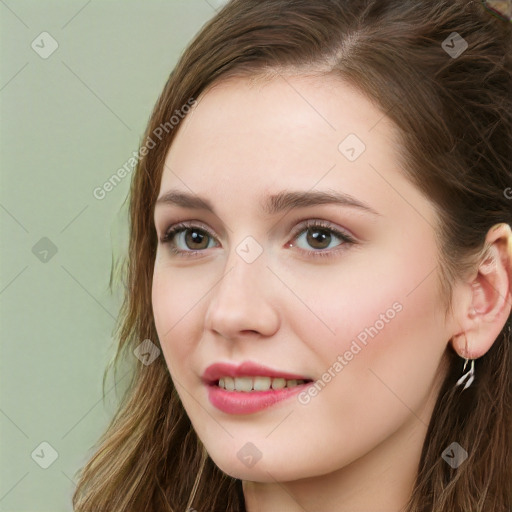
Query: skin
x=356 y=445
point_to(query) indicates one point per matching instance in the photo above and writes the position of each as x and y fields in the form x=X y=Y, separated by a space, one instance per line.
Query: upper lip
x=246 y=369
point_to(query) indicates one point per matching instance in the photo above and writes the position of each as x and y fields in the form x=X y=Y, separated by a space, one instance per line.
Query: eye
x=319 y=235
x=196 y=238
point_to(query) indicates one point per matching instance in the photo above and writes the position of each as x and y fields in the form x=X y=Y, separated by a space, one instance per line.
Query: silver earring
x=469 y=375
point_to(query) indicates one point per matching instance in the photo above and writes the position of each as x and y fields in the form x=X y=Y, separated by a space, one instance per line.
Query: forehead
x=285 y=107
x=287 y=125
x=246 y=140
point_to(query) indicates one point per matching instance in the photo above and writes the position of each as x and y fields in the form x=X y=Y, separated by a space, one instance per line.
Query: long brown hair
x=454 y=117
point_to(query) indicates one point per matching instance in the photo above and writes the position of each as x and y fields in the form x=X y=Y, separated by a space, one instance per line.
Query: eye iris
x=320 y=235
x=196 y=237
x=318 y=238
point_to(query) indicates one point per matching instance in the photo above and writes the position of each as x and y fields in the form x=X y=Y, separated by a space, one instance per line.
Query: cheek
x=176 y=300
x=376 y=335
x=375 y=386
x=377 y=297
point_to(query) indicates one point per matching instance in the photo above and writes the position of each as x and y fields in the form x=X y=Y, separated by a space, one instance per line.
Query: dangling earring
x=469 y=375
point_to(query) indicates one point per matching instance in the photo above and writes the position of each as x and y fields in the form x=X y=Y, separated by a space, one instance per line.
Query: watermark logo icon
x=44 y=455
x=454 y=455
x=44 y=45
x=249 y=454
x=249 y=249
x=352 y=147
x=44 y=250
x=146 y=352
x=454 y=45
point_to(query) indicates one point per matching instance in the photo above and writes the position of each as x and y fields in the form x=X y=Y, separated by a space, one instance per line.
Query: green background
x=68 y=122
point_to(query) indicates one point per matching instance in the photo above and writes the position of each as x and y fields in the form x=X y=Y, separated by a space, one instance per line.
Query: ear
x=485 y=301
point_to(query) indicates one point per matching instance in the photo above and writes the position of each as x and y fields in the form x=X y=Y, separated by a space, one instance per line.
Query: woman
x=321 y=250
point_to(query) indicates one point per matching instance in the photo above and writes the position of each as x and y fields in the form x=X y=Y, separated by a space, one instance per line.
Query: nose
x=242 y=300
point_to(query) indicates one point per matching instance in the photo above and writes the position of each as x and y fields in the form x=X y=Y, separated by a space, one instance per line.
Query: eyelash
x=322 y=253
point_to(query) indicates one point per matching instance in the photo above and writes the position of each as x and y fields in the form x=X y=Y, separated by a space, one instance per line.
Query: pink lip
x=247 y=369
x=242 y=402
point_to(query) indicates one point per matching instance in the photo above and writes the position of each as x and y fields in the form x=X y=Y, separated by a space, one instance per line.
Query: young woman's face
x=358 y=318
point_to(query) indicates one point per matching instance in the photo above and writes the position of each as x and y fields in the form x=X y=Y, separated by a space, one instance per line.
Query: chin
x=264 y=471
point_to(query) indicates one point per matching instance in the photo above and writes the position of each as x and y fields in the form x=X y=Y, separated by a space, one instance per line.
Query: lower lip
x=243 y=402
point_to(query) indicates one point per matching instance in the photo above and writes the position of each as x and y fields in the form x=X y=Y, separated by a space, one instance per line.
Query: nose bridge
x=245 y=268
x=240 y=299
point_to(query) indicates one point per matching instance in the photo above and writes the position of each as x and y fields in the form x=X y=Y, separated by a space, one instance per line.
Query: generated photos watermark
x=158 y=133
x=355 y=348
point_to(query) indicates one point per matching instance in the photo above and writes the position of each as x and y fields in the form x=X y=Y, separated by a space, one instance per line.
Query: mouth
x=250 y=376
x=250 y=387
x=253 y=384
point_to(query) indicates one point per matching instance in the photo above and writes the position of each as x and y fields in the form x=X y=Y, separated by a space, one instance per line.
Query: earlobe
x=490 y=301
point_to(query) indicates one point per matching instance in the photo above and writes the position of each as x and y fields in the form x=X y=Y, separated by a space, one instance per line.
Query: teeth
x=261 y=383
x=243 y=383
x=248 y=384
x=278 y=383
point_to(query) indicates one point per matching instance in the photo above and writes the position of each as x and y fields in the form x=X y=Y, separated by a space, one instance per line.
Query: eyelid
x=190 y=224
x=320 y=223
x=346 y=237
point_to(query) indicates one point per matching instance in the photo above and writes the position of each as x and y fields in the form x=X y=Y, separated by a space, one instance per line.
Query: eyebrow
x=273 y=204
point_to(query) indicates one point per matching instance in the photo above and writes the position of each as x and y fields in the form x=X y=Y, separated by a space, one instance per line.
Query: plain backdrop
x=78 y=81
